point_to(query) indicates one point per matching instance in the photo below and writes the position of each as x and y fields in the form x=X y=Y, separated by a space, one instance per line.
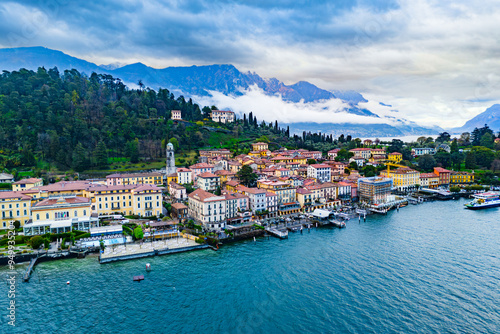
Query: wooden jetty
x=27 y=274
x=138 y=278
x=277 y=233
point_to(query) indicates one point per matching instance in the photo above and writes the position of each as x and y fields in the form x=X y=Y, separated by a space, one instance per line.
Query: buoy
x=148 y=267
x=67 y=282
x=253 y=239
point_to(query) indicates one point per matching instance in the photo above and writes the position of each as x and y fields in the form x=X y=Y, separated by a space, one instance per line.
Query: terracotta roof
x=201 y=165
x=62 y=201
x=204 y=196
x=320 y=166
x=182 y=169
x=66 y=186
x=133 y=175
x=176 y=186
x=303 y=191
x=427 y=175
x=31 y=180
x=232 y=183
x=146 y=187
x=13 y=195
x=179 y=206
x=207 y=175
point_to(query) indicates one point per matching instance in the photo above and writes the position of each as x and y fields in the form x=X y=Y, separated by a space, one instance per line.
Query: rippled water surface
x=429 y=268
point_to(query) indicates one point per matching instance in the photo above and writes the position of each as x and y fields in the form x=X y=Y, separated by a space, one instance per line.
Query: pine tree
x=470 y=160
x=101 y=155
x=80 y=161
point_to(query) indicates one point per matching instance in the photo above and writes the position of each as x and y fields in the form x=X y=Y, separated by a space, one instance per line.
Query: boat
x=484 y=201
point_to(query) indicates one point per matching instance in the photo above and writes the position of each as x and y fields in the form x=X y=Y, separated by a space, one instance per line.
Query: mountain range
x=490 y=116
x=202 y=82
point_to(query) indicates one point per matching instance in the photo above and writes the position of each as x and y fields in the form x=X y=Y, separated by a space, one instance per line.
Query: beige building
x=260 y=146
x=61 y=214
x=26 y=184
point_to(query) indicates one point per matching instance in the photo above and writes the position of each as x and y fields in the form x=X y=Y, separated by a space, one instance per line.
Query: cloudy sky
x=437 y=62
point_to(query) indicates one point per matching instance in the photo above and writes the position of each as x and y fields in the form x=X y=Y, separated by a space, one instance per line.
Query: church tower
x=170 y=159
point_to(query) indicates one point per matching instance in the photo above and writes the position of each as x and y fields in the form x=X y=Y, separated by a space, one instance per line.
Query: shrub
x=127 y=230
x=81 y=236
x=17 y=224
x=35 y=242
x=138 y=233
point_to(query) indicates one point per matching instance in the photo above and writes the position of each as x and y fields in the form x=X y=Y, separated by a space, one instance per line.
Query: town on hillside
x=229 y=194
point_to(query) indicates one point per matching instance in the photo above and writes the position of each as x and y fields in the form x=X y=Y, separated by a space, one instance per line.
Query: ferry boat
x=484 y=201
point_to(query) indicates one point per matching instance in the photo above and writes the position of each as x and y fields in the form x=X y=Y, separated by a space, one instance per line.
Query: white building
x=184 y=175
x=208 y=181
x=423 y=150
x=223 y=116
x=320 y=172
x=271 y=203
x=176 y=115
x=177 y=191
x=258 y=201
x=208 y=209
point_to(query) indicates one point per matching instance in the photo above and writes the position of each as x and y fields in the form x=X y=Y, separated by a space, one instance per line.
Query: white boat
x=484 y=201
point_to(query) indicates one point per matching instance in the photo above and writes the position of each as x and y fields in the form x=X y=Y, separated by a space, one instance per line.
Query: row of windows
x=6 y=214
x=61 y=215
x=10 y=205
x=148 y=198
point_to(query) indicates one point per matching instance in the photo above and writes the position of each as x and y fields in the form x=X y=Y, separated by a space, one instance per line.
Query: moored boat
x=484 y=201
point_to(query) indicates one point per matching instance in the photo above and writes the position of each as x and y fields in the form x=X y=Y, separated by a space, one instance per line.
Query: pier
x=31 y=266
x=277 y=233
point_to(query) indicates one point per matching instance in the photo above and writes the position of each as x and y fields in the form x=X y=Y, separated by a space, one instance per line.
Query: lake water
x=431 y=268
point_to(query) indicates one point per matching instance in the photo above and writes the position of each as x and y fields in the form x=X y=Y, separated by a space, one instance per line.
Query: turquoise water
x=431 y=268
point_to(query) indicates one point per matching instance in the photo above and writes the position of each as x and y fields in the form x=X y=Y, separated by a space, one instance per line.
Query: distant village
x=221 y=189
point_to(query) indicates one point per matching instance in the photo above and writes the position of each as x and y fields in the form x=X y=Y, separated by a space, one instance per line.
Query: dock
x=31 y=266
x=277 y=233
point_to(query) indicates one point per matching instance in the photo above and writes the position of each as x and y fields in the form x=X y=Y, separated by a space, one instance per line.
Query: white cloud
x=270 y=108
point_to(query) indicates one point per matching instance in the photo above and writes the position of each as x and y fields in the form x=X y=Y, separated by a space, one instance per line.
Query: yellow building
x=142 y=200
x=137 y=178
x=61 y=214
x=403 y=178
x=285 y=192
x=287 y=159
x=395 y=157
x=172 y=178
x=14 y=206
x=461 y=178
x=26 y=184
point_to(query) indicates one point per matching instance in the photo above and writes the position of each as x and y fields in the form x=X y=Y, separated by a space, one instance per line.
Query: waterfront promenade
x=145 y=249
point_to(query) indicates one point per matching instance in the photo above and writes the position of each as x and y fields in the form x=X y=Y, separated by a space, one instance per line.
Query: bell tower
x=170 y=159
